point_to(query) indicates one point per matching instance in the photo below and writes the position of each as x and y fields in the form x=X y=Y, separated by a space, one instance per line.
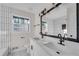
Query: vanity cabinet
x=36 y=49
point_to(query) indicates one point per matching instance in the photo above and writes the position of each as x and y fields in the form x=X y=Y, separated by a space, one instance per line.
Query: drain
x=58 y=52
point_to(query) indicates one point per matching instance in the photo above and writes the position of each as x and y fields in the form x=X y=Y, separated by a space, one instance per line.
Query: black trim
x=69 y=39
x=41 y=27
x=20 y=18
x=44 y=12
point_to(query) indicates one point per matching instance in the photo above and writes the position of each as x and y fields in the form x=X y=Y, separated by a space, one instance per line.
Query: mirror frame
x=44 y=12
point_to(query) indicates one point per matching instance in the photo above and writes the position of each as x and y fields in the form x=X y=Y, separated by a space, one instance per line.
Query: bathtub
x=4 y=51
x=19 y=51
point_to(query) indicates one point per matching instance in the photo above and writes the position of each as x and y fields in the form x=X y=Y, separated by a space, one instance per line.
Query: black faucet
x=61 y=39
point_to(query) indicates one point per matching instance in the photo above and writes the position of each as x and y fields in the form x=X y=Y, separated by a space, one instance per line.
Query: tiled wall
x=72 y=21
x=5 y=26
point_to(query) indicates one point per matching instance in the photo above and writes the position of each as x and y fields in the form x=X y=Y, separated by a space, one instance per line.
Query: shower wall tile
x=5 y=27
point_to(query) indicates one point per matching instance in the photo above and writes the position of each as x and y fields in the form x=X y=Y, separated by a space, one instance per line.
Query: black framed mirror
x=61 y=18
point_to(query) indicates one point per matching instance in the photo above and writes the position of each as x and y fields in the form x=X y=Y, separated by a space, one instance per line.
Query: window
x=64 y=28
x=44 y=27
x=20 y=24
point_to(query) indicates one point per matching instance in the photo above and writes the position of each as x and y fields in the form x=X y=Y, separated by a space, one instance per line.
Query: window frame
x=18 y=25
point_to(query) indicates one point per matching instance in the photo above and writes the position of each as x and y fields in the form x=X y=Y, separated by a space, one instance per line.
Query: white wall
x=50 y=26
x=58 y=25
x=11 y=38
x=71 y=21
x=37 y=28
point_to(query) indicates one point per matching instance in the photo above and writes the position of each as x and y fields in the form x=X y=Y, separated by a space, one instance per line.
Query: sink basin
x=50 y=45
x=44 y=41
x=53 y=47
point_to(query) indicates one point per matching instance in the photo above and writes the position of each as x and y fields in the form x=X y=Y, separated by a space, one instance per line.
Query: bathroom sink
x=53 y=47
x=44 y=41
x=41 y=40
x=50 y=45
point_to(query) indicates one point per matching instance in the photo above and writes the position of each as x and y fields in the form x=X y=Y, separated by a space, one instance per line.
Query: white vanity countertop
x=48 y=50
x=70 y=48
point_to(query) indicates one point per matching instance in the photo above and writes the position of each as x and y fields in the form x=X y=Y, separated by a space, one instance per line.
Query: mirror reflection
x=55 y=22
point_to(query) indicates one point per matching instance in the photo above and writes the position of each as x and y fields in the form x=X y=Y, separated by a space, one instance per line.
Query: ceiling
x=36 y=8
x=29 y=7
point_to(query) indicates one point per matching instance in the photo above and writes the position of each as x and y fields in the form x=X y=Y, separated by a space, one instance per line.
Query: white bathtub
x=3 y=51
x=20 y=52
